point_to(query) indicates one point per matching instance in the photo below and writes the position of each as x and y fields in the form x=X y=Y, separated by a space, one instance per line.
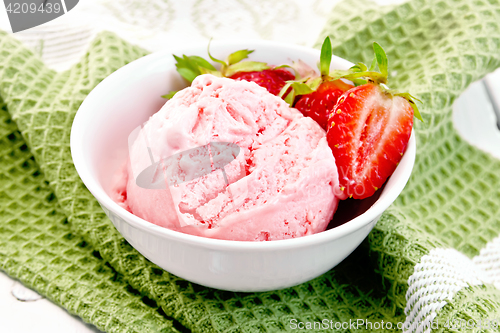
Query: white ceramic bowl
x=129 y=97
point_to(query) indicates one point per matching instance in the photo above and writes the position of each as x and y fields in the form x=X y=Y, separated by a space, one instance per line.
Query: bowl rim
x=97 y=190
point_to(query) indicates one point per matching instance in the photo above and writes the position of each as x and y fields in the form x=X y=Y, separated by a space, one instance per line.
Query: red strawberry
x=368 y=133
x=320 y=103
x=317 y=96
x=368 y=128
x=271 y=79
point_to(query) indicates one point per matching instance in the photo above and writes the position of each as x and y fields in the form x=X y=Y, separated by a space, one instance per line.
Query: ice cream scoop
x=186 y=171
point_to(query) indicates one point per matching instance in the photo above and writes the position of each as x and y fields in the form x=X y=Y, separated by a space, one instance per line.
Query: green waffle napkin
x=39 y=248
x=451 y=202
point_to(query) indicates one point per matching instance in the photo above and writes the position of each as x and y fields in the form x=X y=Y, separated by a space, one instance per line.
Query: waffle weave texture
x=451 y=201
x=38 y=247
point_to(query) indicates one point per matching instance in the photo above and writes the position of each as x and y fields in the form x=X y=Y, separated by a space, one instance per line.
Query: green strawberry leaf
x=169 y=95
x=411 y=99
x=180 y=62
x=381 y=58
x=290 y=98
x=359 y=82
x=360 y=73
x=285 y=66
x=245 y=66
x=314 y=83
x=416 y=112
x=352 y=75
x=190 y=64
x=209 y=71
x=184 y=63
x=188 y=74
x=238 y=56
x=325 y=57
x=301 y=88
x=200 y=62
x=359 y=67
x=285 y=88
x=338 y=73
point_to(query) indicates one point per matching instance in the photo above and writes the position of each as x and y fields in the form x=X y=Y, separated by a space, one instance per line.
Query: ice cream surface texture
x=235 y=162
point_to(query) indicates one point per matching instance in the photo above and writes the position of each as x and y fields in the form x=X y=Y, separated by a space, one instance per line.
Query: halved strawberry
x=369 y=129
x=368 y=134
x=273 y=78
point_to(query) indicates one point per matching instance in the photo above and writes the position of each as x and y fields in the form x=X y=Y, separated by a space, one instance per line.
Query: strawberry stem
x=223 y=63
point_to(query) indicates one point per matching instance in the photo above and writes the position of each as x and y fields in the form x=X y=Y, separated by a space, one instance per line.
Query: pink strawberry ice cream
x=277 y=179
